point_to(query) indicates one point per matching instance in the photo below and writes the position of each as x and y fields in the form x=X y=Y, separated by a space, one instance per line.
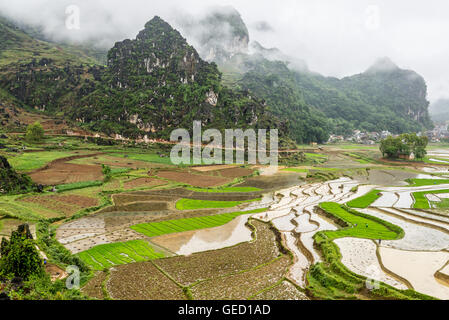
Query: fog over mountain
x=335 y=38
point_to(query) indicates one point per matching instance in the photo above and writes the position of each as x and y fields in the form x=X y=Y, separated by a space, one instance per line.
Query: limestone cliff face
x=404 y=92
x=158 y=51
x=157 y=83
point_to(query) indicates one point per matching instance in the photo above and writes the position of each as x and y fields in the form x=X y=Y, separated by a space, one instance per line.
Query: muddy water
x=359 y=256
x=386 y=177
x=301 y=264
x=405 y=200
x=186 y=243
x=304 y=224
x=418 y=268
x=307 y=238
x=435 y=170
x=388 y=199
x=438 y=160
x=438 y=222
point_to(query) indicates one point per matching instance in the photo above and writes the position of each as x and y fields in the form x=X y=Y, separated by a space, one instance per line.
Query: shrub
x=34 y=133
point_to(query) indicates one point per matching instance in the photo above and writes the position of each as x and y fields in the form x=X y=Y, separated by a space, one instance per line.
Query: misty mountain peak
x=220 y=34
x=384 y=64
x=158 y=29
x=158 y=51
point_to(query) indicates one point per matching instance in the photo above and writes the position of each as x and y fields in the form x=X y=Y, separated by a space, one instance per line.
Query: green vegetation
x=225 y=190
x=19 y=256
x=426 y=182
x=403 y=146
x=29 y=161
x=179 y=94
x=35 y=133
x=421 y=201
x=12 y=182
x=107 y=172
x=78 y=185
x=56 y=252
x=359 y=225
x=191 y=204
x=147 y=157
x=360 y=158
x=155 y=229
x=330 y=279
x=296 y=170
x=366 y=200
x=22 y=273
x=108 y=255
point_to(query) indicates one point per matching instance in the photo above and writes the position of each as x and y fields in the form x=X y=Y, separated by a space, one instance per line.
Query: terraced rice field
x=421 y=201
x=113 y=254
x=311 y=221
x=365 y=201
x=191 y=204
x=226 y=190
x=187 y=270
x=174 y=226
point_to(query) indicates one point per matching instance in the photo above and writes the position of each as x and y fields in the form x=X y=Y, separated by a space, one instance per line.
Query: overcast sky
x=335 y=37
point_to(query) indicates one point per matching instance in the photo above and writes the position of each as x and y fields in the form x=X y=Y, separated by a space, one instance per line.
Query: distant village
x=438 y=134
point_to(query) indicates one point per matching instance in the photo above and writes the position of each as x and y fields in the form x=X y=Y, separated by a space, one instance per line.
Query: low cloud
x=335 y=38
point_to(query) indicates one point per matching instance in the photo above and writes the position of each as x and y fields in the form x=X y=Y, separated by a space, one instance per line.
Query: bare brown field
x=196 y=180
x=235 y=172
x=140 y=207
x=276 y=181
x=213 y=167
x=117 y=162
x=242 y=285
x=93 y=288
x=143 y=182
x=61 y=172
x=284 y=291
x=142 y=281
x=66 y=204
x=123 y=199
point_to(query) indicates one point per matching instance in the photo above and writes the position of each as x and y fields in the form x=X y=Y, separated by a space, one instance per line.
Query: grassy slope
x=34 y=160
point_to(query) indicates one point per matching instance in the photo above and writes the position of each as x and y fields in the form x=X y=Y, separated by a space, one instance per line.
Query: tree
x=107 y=172
x=405 y=144
x=35 y=133
x=20 y=256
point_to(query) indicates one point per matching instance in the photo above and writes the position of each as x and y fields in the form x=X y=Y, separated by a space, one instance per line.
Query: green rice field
x=155 y=229
x=361 y=226
x=112 y=254
x=191 y=204
x=421 y=201
x=366 y=200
